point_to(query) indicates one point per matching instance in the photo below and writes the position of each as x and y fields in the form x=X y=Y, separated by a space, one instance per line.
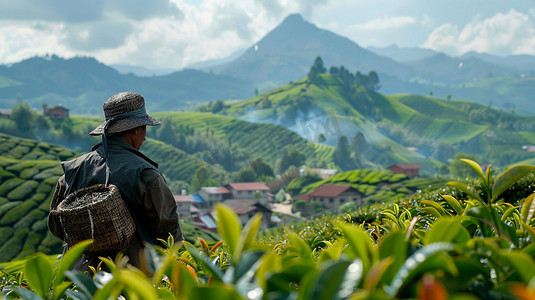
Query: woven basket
x=96 y=212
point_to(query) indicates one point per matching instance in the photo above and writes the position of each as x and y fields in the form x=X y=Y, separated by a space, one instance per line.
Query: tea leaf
x=38 y=272
x=69 y=259
x=508 y=178
x=474 y=165
x=528 y=209
x=423 y=260
x=453 y=203
x=228 y=226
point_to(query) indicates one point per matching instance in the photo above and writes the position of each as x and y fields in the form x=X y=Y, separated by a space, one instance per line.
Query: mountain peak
x=294 y=18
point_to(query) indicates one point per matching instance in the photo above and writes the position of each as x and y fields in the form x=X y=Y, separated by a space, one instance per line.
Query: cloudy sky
x=175 y=33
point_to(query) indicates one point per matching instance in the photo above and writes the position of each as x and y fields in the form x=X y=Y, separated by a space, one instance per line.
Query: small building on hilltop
x=56 y=112
x=332 y=196
x=410 y=170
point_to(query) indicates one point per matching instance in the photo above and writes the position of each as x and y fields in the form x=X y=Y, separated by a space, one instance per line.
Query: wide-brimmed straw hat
x=124 y=111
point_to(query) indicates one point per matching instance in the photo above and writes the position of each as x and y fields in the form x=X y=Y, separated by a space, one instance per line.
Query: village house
x=246 y=209
x=56 y=112
x=249 y=191
x=213 y=194
x=411 y=170
x=332 y=196
x=185 y=207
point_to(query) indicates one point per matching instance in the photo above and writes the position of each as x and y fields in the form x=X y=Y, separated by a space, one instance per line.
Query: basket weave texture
x=96 y=212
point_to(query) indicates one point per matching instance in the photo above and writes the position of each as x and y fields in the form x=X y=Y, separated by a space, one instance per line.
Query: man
x=141 y=185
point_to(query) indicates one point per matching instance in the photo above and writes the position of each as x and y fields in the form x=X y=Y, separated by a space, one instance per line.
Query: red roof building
x=332 y=196
x=411 y=170
x=56 y=112
x=249 y=191
x=246 y=209
x=184 y=204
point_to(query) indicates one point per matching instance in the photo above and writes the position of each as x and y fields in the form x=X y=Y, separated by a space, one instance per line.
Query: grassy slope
x=429 y=118
x=264 y=140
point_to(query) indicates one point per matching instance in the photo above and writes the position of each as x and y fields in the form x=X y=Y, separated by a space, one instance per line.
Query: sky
x=175 y=33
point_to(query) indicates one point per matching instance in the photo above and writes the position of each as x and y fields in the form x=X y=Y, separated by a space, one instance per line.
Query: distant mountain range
x=285 y=54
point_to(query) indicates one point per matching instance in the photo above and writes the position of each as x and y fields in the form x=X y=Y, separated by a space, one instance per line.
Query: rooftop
x=248 y=186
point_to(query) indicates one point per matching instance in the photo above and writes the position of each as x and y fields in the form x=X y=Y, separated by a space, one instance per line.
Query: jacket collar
x=115 y=142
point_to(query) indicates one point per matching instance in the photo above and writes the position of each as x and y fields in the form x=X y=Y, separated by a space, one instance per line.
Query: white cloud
x=385 y=23
x=502 y=34
x=23 y=40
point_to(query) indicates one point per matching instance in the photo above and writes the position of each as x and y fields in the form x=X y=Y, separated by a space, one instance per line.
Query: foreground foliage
x=466 y=244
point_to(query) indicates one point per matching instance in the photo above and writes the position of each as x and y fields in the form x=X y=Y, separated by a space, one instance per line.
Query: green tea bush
x=12 y=247
x=40 y=226
x=39 y=197
x=4 y=175
x=3 y=200
x=16 y=213
x=5 y=234
x=30 y=218
x=29 y=173
x=19 y=151
x=44 y=187
x=29 y=247
x=7 y=206
x=49 y=173
x=10 y=184
x=23 y=191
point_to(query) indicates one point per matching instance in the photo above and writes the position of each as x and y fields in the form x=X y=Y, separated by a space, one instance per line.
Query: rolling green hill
x=393 y=123
x=257 y=140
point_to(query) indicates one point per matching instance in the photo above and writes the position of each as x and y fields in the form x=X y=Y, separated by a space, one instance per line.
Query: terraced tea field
x=28 y=173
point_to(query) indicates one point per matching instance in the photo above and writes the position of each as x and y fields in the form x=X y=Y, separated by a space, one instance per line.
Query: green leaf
x=508 y=212
x=432 y=211
x=488 y=219
x=508 y=178
x=376 y=274
x=423 y=260
x=83 y=283
x=207 y=265
x=474 y=166
x=214 y=292
x=302 y=249
x=271 y=263
x=27 y=294
x=465 y=189
x=448 y=230
x=59 y=290
x=360 y=245
x=69 y=259
x=528 y=209
x=395 y=246
x=453 y=203
x=137 y=284
x=246 y=237
x=391 y=217
x=228 y=226
x=247 y=266
x=436 y=206
x=336 y=280
x=521 y=262
x=286 y=280
x=38 y=272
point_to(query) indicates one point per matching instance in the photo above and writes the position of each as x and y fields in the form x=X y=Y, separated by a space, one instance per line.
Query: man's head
x=124 y=111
